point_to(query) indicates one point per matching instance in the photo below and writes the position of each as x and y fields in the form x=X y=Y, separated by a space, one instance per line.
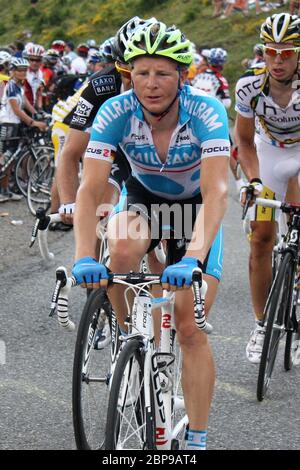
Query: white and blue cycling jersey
x=202 y=132
x=15 y=92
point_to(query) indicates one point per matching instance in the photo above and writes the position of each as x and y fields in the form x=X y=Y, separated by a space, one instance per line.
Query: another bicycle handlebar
x=40 y=230
x=249 y=198
x=286 y=207
x=272 y=203
x=64 y=284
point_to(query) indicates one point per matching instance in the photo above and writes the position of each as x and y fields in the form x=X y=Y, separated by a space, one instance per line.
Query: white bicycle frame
x=162 y=377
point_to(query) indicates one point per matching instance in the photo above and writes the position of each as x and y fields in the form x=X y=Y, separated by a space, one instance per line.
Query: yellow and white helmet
x=281 y=28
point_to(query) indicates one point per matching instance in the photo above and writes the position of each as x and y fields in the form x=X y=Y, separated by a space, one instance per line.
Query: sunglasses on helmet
x=125 y=72
x=284 y=53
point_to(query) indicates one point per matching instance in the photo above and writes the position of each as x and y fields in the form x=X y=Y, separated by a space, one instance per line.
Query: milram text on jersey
x=275 y=125
x=202 y=132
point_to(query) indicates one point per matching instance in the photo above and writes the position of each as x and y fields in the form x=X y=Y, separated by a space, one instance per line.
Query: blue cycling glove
x=180 y=274
x=88 y=271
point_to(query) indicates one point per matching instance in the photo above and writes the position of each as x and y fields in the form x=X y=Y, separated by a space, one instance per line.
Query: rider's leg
x=198 y=372
x=54 y=198
x=293 y=191
x=58 y=137
x=262 y=241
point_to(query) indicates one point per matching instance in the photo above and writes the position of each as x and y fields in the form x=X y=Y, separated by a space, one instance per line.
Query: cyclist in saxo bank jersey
x=167 y=131
x=268 y=134
x=102 y=85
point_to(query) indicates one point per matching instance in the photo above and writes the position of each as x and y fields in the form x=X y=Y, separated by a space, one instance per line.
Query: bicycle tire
x=24 y=168
x=292 y=343
x=90 y=397
x=275 y=314
x=127 y=403
x=178 y=408
x=292 y=349
x=22 y=171
x=40 y=183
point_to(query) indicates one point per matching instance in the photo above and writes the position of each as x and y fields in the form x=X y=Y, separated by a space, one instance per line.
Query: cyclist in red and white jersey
x=34 y=77
x=268 y=133
x=211 y=79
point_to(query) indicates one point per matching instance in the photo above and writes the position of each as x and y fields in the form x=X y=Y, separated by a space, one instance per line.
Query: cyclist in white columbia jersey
x=268 y=133
x=176 y=141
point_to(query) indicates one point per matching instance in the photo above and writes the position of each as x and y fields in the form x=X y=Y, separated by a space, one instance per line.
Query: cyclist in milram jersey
x=268 y=133
x=167 y=131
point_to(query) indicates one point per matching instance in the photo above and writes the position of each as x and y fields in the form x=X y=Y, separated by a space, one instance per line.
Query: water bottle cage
x=164 y=362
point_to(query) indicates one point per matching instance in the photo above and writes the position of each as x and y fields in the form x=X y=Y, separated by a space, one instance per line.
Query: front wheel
x=92 y=372
x=129 y=424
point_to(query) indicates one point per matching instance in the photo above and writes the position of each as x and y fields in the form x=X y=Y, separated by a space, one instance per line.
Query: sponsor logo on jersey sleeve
x=243 y=108
x=97 y=152
x=78 y=120
x=83 y=108
x=104 y=84
x=215 y=148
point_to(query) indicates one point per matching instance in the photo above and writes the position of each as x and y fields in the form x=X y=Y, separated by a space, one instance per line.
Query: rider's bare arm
x=20 y=113
x=214 y=188
x=68 y=167
x=89 y=196
x=244 y=132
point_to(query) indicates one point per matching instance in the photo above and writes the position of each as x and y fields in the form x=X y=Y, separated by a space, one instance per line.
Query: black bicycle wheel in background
x=40 y=182
x=92 y=373
x=292 y=349
x=292 y=343
x=26 y=163
x=129 y=425
x=278 y=304
x=22 y=171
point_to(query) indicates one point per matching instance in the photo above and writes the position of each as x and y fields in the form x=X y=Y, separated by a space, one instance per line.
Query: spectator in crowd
x=295 y=7
x=231 y=5
x=69 y=51
x=217 y=8
x=79 y=65
x=95 y=62
x=19 y=48
x=34 y=80
x=59 y=46
x=91 y=43
x=5 y=59
x=258 y=59
x=12 y=114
